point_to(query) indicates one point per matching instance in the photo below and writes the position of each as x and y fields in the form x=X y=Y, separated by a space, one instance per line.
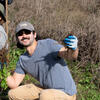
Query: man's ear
x=35 y=34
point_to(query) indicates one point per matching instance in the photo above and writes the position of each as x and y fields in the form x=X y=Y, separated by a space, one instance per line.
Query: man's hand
x=71 y=42
x=14 y=80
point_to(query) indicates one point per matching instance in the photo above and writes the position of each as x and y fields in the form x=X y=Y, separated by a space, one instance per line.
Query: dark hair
x=19 y=45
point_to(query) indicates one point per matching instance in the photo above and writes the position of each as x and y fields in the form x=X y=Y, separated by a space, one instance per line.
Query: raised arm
x=15 y=80
x=70 y=51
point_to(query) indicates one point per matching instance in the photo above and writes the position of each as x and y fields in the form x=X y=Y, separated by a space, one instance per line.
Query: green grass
x=84 y=76
x=86 y=93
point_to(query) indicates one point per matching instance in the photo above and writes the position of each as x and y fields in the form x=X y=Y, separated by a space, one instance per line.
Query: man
x=3 y=10
x=3 y=47
x=43 y=60
x=3 y=38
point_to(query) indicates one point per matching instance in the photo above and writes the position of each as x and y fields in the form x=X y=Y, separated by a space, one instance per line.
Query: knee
x=11 y=94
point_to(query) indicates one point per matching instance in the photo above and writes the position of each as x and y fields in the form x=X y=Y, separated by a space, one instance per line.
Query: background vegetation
x=55 y=19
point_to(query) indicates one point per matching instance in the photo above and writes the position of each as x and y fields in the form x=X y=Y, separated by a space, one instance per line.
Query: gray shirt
x=3 y=38
x=45 y=65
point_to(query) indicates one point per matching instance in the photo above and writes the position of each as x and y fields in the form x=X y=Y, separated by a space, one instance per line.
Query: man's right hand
x=15 y=80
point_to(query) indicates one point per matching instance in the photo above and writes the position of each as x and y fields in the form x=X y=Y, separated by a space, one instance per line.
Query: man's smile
x=25 y=39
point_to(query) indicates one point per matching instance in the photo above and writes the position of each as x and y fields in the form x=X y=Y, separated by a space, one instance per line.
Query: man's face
x=25 y=38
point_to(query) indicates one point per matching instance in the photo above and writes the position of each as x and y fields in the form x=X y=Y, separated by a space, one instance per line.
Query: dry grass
x=55 y=18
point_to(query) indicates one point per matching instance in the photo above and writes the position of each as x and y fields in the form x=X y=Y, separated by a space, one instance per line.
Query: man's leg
x=53 y=94
x=25 y=92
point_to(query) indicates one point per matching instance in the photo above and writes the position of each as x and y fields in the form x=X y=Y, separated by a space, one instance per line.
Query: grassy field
x=84 y=76
x=55 y=19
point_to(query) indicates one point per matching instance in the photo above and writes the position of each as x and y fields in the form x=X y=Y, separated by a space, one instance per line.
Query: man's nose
x=24 y=35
